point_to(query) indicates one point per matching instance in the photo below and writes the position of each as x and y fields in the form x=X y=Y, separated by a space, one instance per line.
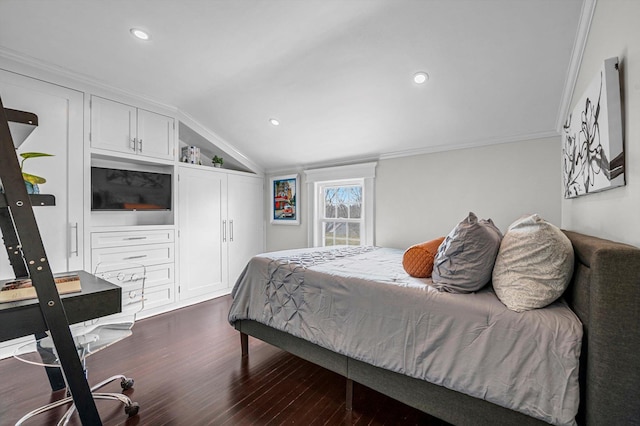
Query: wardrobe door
x=245 y=218
x=60 y=133
x=202 y=231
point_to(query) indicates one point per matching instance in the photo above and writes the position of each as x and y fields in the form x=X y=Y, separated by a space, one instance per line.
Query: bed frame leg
x=349 y=399
x=244 y=344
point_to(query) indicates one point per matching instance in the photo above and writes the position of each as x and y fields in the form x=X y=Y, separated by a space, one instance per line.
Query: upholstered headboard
x=605 y=294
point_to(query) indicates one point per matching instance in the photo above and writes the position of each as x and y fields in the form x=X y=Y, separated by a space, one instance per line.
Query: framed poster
x=285 y=200
x=592 y=140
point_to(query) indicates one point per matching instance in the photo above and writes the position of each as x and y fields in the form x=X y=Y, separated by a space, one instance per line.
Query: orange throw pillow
x=418 y=259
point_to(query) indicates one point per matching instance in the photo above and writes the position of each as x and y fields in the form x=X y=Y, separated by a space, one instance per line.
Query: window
x=342 y=205
x=341 y=219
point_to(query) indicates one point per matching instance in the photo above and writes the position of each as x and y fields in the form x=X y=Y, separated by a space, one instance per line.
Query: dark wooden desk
x=98 y=298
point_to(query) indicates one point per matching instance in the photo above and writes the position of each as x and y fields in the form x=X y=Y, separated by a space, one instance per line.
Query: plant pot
x=218 y=165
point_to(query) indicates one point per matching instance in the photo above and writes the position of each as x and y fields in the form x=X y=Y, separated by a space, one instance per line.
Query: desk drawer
x=131 y=238
x=153 y=254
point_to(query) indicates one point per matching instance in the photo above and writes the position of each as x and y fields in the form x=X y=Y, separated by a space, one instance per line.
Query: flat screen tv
x=119 y=189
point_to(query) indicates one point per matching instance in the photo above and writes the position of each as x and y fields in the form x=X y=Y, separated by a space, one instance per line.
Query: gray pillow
x=465 y=258
x=534 y=265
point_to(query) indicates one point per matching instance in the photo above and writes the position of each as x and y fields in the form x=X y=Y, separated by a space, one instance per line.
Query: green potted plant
x=217 y=161
x=32 y=181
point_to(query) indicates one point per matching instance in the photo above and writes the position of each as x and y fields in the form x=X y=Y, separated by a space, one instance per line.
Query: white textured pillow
x=534 y=264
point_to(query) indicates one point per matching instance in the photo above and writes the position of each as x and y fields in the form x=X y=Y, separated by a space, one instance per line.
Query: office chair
x=93 y=336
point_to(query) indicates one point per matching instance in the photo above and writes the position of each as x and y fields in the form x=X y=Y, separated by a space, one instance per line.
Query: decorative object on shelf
x=191 y=155
x=285 y=200
x=32 y=181
x=592 y=145
x=217 y=161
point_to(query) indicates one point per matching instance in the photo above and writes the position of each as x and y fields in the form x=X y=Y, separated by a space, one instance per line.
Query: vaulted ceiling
x=337 y=74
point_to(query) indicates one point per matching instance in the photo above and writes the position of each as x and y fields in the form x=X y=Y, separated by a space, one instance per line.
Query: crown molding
x=63 y=76
x=413 y=152
x=579 y=46
x=475 y=144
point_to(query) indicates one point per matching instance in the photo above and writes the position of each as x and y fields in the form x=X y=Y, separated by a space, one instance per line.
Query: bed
x=584 y=370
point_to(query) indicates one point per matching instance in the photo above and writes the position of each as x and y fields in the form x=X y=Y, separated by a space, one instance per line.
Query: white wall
x=424 y=196
x=615 y=31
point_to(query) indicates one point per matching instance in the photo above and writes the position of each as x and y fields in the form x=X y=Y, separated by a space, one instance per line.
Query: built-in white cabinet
x=220 y=223
x=126 y=129
x=154 y=248
x=193 y=252
x=59 y=133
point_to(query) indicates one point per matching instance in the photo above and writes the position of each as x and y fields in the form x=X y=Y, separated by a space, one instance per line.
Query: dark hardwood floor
x=188 y=371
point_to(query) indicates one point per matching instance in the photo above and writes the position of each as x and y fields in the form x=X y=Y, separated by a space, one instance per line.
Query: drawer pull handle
x=135 y=257
x=136 y=238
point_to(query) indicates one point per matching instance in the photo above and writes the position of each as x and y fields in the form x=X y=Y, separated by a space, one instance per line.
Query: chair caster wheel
x=126 y=384
x=132 y=410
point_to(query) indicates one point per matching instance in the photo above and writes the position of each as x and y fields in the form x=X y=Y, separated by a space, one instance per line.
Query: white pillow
x=534 y=264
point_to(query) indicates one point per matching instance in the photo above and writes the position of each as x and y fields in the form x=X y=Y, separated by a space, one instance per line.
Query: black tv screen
x=118 y=189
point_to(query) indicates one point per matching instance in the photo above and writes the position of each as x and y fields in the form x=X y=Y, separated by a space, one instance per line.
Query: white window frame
x=317 y=179
x=321 y=220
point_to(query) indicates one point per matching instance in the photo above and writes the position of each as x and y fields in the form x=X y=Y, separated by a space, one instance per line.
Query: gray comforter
x=359 y=302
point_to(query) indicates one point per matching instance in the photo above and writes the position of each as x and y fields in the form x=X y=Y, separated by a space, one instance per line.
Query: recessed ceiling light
x=420 y=77
x=141 y=34
x=274 y=122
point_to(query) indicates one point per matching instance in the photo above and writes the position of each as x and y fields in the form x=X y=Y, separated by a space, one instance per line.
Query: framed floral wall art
x=285 y=202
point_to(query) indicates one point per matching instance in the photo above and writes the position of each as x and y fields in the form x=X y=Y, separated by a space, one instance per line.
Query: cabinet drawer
x=159 y=275
x=153 y=254
x=130 y=238
x=158 y=289
x=158 y=296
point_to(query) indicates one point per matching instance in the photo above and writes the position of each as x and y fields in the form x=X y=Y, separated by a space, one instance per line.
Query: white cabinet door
x=202 y=224
x=60 y=117
x=124 y=128
x=113 y=125
x=245 y=218
x=155 y=135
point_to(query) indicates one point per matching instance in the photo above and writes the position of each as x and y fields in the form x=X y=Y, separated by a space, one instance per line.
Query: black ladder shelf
x=28 y=257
